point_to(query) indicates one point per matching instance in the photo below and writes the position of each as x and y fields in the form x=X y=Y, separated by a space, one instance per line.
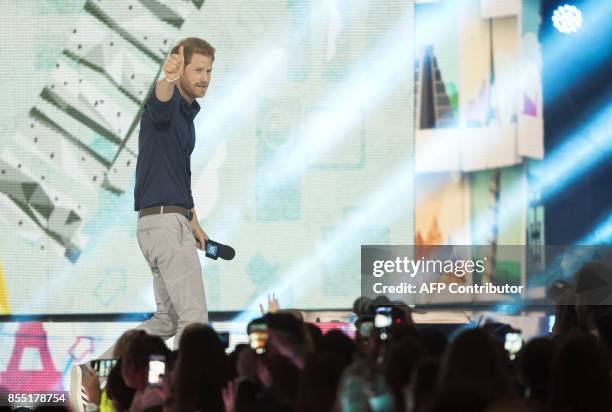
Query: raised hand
x=273 y=305
x=229 y=395
x=174 y=65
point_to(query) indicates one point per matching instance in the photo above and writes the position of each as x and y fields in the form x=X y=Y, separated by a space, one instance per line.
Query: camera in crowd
x=379 y=314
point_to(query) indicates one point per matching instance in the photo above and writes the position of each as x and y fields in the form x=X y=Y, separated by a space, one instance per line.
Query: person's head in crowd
x=280 y=378
x=287 y=336
x=365 y=307
x=474 y=360
x=498 y=330
x=118 y=392
x=420 y=391
x=534 y=364
x=123 y=342
x=400 y=359
x=296 y=313
x=593 y=284
x=246 y=366
x=313 y=336
x=202 y=369
x=580 y=376
x=566 y=320
x=91 y=382
x=319 y=382
x=405 y=311
x=135 y=365
x=336 y=342
x=433 y=340
x=234 y=357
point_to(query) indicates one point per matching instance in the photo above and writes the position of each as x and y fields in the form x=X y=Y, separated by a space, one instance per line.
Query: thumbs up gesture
x=174 y=65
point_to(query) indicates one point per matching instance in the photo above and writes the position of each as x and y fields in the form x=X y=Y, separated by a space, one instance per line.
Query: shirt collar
x=189 y=109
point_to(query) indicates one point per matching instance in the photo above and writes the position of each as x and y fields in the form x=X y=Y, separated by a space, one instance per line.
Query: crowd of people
x=396 y=366
x=291 y=365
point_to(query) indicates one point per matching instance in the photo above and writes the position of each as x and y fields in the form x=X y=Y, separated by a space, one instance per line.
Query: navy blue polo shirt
x=165 y=144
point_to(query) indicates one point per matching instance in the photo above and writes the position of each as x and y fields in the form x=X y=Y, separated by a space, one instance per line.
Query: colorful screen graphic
x=328 y=124
x=304 y=147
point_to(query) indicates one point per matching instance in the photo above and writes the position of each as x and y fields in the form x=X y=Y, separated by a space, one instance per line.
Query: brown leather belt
x=156 y=210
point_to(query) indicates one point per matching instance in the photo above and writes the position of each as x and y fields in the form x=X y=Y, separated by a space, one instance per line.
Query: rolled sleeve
x=161 y=112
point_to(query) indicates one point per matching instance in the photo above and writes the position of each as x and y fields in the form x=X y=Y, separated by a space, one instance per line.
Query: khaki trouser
x=169 y=247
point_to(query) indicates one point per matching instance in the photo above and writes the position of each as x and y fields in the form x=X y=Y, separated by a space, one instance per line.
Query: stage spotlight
x=567 y=19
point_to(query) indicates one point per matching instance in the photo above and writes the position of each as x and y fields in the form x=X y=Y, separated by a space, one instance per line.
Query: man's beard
x=199 y=91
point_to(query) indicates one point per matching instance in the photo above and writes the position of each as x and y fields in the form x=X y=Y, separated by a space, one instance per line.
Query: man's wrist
x=194 y=224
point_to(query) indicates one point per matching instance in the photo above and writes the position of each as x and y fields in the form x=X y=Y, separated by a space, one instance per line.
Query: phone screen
x=258 y=338
x=513 y=343
x=383 y=317
x=157 y=369
x=102 y=367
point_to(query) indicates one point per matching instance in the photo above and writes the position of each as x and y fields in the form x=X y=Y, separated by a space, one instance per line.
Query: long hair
x=580 y=376
x=475 y=362
x=202 y=370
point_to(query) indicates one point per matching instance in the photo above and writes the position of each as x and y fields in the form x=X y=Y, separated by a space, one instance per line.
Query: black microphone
x=215 y=250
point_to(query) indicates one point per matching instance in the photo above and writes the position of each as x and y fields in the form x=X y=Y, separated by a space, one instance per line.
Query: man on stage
x=168 y=231
x=168 y=227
